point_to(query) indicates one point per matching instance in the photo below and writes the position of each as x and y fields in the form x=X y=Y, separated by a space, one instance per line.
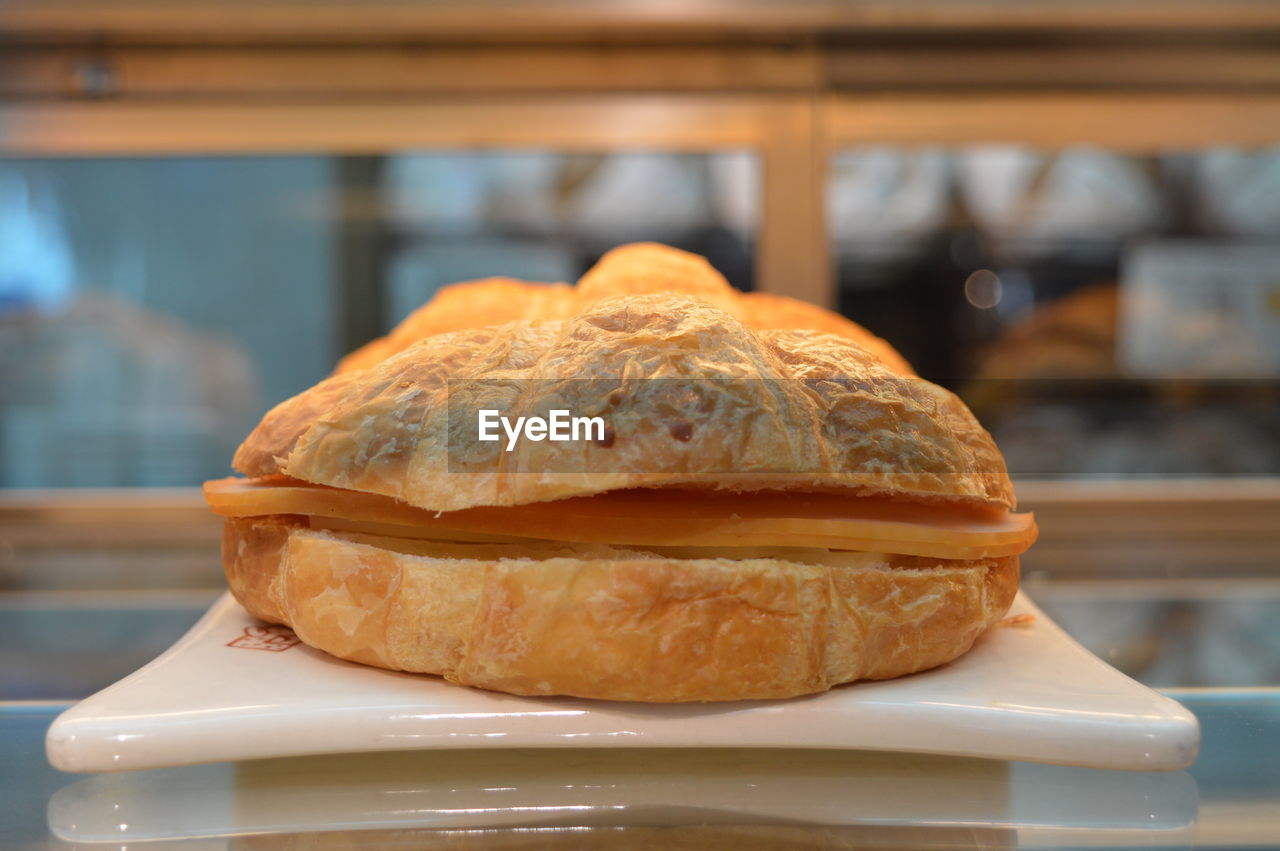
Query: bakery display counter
x=1065 y=213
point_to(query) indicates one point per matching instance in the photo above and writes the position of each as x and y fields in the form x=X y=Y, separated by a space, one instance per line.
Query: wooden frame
x=1136 y=122
x=342 y=20
x=780 y=128
x=794 y=134
x=794 y=82
x=389 y=70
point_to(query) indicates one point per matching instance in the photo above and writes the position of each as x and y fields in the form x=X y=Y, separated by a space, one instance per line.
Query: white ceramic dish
x=233 y=690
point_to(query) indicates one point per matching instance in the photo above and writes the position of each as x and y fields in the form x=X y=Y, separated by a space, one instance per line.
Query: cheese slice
x=539 y=550
x=666 y=518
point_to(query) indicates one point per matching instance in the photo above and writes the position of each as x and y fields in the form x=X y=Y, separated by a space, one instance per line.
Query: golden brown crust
x=766 y=311
x=637 y=269
x=613 y=624
x=470 y=304
x=273 y=439
x=248 y=548
x=811 y=412
x=645 y=268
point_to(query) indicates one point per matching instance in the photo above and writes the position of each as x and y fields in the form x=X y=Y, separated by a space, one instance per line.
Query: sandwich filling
x=683 y=523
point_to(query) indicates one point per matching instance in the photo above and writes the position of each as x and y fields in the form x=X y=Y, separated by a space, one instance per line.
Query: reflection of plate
x=504 y=789
x=233 y=690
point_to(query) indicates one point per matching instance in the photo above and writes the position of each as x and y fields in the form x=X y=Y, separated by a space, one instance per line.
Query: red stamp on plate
x=273 y=638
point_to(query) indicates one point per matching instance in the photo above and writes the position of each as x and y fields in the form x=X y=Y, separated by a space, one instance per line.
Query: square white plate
x=232 y=689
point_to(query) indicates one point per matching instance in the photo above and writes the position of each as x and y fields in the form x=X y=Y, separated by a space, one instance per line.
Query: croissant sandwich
x=749 y=510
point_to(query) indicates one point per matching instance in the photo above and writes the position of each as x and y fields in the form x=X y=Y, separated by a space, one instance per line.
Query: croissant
x=766 y=512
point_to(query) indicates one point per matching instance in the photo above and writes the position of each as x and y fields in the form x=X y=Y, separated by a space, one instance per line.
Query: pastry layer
x=608 y=622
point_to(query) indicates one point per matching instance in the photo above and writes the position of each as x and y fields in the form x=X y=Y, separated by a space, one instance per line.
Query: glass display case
x=1067 y=213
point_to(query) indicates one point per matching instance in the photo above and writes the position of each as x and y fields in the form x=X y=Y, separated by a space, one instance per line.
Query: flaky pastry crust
x=609 y=623
x=804 y=410
x=472 y=304
x=637 y=269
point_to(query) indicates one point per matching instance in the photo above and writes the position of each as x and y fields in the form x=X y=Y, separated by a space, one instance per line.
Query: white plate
x=227 y=692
